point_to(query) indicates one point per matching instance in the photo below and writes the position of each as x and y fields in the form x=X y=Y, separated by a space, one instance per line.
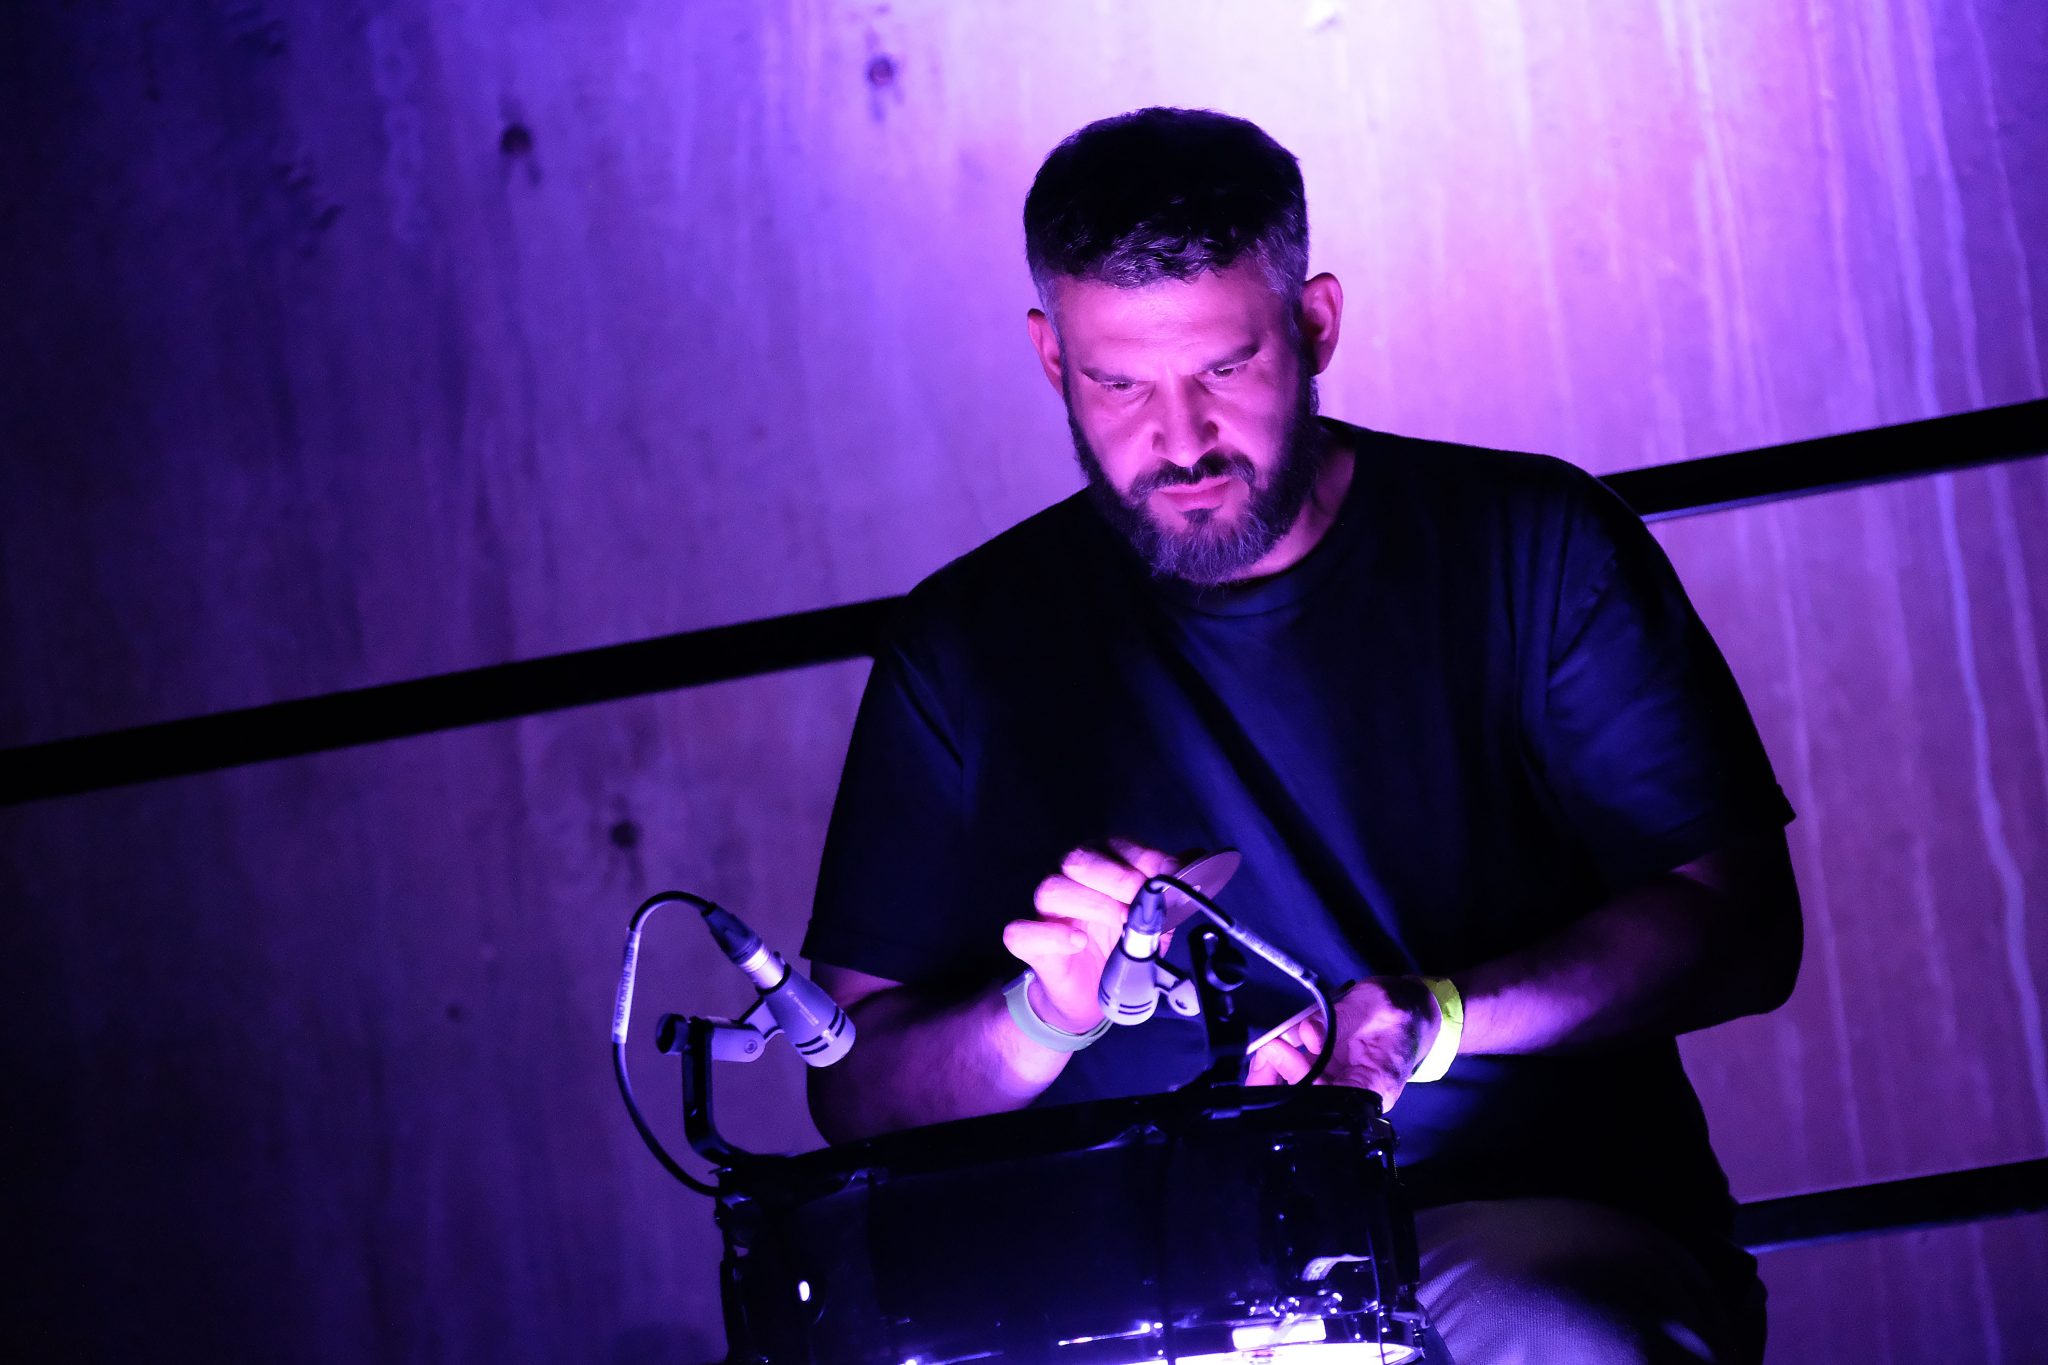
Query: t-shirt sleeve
x=890 y=872
x=1642 y=733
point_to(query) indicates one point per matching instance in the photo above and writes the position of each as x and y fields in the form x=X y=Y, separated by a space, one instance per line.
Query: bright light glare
x=1139 y=1330
x=803 y=1291
x=1310 y=1353
x=1279 y=1333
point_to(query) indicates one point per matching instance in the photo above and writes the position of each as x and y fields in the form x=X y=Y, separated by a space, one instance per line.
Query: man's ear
x=1046 y=342
x=1322 y=317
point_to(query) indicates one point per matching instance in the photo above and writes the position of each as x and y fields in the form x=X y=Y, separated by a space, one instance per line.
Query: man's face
x=1192 y=407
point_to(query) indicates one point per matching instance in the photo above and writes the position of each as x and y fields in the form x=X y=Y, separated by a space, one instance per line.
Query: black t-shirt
x=1477 y=708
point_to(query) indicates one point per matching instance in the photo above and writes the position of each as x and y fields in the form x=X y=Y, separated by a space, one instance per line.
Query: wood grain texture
x=355 y=341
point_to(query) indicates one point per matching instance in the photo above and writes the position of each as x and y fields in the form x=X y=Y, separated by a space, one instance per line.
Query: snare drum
x=1233 y=1225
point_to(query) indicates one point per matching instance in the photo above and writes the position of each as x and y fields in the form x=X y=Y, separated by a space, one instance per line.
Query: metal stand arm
x=698 y=1043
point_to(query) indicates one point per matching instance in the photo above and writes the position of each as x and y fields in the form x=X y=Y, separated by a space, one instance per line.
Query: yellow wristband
x=1450 y=1031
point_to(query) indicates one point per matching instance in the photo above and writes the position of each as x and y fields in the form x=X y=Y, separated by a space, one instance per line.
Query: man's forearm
x=1674 y=954
x=922 y=1061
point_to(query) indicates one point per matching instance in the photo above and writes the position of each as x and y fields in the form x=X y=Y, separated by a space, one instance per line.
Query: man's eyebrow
x=1236 y=357
x=1106 y=376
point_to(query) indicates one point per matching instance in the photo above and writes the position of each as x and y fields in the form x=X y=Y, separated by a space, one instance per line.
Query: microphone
x=817 y=1027
x=1129 y=992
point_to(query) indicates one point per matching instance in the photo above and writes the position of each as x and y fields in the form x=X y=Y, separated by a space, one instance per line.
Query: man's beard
x=1201 y=552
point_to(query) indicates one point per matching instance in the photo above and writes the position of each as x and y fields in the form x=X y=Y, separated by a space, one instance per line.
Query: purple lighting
x=354 y=344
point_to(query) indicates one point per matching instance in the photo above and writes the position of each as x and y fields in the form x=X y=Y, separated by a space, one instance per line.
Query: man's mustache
x=1214 y=465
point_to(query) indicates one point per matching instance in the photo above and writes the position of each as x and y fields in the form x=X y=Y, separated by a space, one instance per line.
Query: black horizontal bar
x=445 y=701
x=477 y=696
x=1828 y=464
x=1925 y=1201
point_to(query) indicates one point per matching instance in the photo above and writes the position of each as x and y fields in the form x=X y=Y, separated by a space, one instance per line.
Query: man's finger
x=1149 y=862
x=1104 y=872
x=1068 y=899
x=1286 y=1062
x=1038 y=940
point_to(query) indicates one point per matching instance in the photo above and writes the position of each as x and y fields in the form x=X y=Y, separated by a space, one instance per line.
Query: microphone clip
x=697 y=1043
x=744 y=1039
x=1178 y=990
x=1136 y=977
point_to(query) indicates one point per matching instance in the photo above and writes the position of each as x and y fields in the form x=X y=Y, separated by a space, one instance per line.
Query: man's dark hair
x=1166 y=194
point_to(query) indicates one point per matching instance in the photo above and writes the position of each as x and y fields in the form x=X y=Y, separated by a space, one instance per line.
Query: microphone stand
x=826 y=1034
x=1219 y=969
x=698 y=1043
x=1218 y=949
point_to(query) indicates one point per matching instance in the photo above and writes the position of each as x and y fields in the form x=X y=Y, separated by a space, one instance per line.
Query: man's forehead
x=1234 y=306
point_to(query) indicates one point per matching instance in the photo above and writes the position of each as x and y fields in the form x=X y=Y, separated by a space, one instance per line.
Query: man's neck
x=1318 y=515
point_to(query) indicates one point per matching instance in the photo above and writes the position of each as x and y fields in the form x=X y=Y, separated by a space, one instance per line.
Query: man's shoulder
x=1046 y=549
x=1473 y=475
x=1032 y=575
x=1537 y=510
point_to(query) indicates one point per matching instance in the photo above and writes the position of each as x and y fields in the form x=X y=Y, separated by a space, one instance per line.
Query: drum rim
x=1086 y=1125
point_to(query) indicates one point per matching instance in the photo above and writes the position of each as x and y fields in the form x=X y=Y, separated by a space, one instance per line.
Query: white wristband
x=1036 y=1029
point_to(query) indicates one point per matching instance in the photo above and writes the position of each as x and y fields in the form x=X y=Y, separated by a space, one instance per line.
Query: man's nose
x=1186 y=431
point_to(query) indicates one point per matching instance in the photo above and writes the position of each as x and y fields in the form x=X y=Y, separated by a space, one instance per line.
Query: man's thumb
x=1040 y=944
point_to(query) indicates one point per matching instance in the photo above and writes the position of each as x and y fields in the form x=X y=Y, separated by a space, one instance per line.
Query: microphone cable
x=622 y=1015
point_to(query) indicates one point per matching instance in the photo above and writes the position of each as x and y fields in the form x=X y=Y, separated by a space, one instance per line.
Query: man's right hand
x=1081 y=910
x=927 y=1057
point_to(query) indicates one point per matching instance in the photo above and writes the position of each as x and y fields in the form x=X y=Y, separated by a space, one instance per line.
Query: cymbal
x=1207 y=874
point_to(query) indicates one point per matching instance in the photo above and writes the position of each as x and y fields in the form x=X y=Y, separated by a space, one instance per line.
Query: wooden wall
x=349 y=342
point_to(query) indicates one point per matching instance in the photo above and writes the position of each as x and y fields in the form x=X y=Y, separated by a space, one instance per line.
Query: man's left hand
x=1385 y=1025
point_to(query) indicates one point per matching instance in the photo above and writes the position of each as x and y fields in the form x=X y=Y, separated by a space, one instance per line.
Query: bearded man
x=1453 y=706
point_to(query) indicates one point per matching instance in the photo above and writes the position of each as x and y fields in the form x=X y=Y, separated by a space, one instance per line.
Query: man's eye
x=1225 y=371
x=1118 y=385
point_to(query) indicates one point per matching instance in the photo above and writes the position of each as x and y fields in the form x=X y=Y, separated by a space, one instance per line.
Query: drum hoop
x=1088 y=1125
